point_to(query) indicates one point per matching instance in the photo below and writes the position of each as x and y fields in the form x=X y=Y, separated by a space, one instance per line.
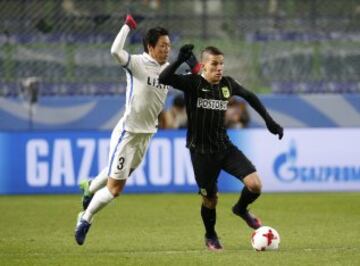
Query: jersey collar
x=202 y=75
x=148 y=57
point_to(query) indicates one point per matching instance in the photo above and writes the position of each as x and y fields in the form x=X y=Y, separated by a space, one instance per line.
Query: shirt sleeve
x=250 y=97
x=132 y=63
x=180 y=82
x=117 y=48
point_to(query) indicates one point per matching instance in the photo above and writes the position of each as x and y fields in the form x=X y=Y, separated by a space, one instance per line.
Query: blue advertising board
x=305 y=160
x=55 y=162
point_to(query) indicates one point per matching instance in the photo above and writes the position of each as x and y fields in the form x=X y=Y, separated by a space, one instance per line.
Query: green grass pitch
x=165 y=229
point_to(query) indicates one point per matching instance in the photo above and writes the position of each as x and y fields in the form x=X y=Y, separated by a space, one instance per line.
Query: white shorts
x=126 y=152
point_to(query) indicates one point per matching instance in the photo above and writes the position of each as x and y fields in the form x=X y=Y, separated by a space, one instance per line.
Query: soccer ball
x=265 y=238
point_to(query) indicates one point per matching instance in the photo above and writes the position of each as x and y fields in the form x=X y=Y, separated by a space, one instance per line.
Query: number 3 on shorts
x=120 y=165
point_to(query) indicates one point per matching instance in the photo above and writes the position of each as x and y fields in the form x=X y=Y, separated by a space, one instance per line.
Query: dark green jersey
x=206 y=105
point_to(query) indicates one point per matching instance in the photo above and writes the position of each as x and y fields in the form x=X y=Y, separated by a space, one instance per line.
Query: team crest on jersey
x=225 y=91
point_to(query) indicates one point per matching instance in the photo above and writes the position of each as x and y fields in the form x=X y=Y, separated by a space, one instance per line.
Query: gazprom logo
x=288 y=169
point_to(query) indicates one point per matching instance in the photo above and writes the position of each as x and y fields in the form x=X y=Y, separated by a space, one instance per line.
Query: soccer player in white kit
x=145 y=99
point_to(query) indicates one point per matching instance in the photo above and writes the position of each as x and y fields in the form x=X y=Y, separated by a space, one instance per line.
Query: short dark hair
x=211 y=50
x=152 y=37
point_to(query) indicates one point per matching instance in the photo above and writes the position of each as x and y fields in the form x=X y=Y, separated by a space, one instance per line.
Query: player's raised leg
x=119 y=169
x=89 y=187
x=101 y=198
x=99 y=181
x=249 y=194
x=237 y=164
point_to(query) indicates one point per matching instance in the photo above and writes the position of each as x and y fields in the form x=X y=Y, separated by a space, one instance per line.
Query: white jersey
x=145 y=97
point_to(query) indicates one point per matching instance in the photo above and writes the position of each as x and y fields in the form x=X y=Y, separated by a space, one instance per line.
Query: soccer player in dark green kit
x=211 y=150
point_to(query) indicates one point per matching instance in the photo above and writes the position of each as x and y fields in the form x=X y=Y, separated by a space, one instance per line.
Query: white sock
x=99 y=181
x=99 y=201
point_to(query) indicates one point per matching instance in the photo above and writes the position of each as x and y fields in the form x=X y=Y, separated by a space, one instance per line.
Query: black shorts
x=207 y=168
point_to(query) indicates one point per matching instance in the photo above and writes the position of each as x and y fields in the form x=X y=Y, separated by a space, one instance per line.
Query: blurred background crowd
x=236 y=116
x=271 y=46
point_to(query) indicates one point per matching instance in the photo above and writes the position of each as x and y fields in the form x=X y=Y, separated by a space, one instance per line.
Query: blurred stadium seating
x=286 y=46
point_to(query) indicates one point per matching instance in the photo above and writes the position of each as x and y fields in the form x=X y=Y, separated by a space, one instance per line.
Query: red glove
x=130 y=21
x=193 y=63
x=196 y=69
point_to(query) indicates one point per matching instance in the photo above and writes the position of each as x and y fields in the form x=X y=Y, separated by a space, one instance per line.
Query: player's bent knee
x=210 y=202
x=115 y=186
x=253 y=183
x=255 y=187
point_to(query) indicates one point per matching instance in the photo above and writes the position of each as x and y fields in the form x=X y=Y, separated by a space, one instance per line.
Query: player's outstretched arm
x=168 y=76
x=271 y=125
x=255 y=103
x=117 y=48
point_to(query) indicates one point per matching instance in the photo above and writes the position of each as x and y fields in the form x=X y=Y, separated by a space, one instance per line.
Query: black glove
x=275 y=128
x=185 y=52
x=193 y=63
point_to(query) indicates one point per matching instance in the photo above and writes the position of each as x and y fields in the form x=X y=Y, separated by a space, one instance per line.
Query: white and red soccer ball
x=265 y=238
